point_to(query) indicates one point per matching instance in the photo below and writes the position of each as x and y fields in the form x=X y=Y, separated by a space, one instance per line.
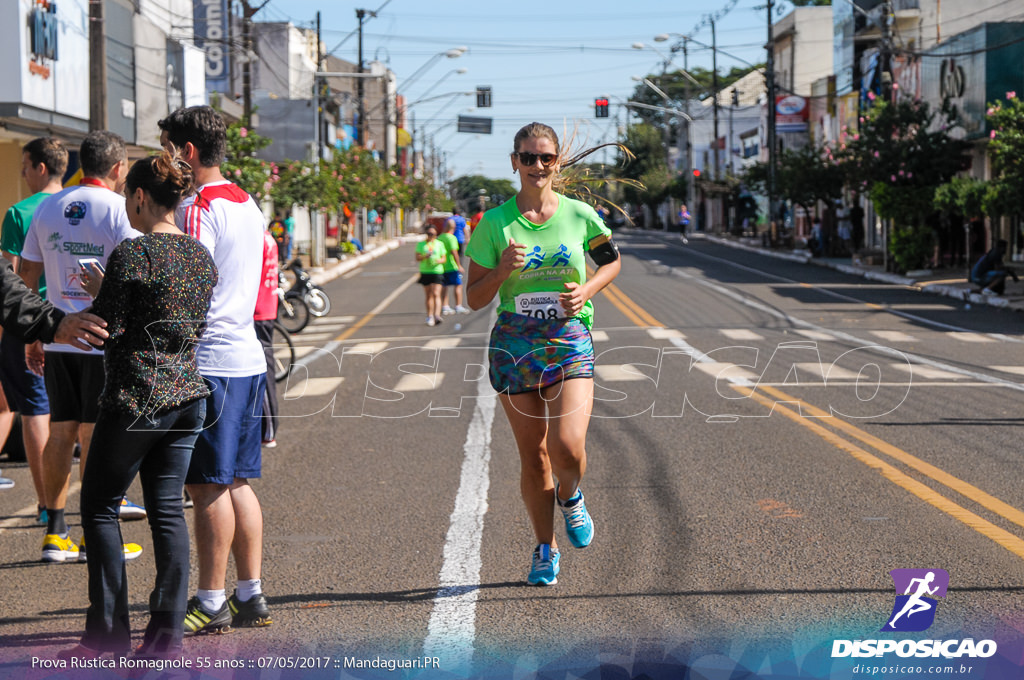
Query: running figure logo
x=534 y=259
x=915 y=607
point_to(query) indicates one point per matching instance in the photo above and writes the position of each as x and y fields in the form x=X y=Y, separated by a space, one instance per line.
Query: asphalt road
x=769 y=440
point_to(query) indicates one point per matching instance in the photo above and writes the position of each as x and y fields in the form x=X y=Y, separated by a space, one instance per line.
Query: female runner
x=530 y=252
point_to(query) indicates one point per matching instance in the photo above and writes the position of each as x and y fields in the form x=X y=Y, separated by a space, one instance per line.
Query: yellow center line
x=634 y=312
x=963 y=488
x=351 y=330
x=1002 y=537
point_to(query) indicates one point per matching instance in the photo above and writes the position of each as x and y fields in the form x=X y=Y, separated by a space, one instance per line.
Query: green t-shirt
x=555 y=254
x=438 y=254
x=16 y=223
x=451 y=244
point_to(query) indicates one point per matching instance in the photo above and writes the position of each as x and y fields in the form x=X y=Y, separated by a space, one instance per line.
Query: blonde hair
x=577 y=182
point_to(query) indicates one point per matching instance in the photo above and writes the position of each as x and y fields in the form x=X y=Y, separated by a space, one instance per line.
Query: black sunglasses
x=528 y=159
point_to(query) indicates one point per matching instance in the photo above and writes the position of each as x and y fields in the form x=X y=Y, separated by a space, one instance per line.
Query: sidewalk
x=948 y=282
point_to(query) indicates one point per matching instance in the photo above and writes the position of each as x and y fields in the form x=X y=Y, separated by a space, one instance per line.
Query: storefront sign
x=43 y=31
x=212 y=19
x=791 y=113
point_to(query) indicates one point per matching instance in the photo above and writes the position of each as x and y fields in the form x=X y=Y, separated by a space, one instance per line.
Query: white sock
x=246 y=590
x=212 y=600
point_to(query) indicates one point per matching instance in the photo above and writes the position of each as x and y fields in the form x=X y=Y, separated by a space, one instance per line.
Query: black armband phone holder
x=602 y=250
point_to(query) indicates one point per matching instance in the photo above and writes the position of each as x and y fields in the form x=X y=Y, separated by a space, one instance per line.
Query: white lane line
x=599 y=336
x=452 y=627
x=313 y=387
x=419 y=382
x=442 y=343
x=893 y=336
x=664 y=333
x=368 y=348
x=971 y=337
x=740 y=334
x=619 y=373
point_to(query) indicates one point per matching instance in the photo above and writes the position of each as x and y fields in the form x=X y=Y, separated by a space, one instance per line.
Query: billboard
x=212 y=27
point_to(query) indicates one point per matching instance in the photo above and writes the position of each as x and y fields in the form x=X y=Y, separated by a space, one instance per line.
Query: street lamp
x=440 y=80
x=453 y=53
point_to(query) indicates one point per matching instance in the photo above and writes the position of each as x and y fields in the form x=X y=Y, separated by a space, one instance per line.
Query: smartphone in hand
x=86 y=264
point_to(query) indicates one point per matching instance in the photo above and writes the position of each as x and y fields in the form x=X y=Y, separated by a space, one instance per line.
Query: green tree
x=241 y=165
x=646 y=177
x=1005 y=194
x=804 y=176
x=901 y=155
x=467 y=190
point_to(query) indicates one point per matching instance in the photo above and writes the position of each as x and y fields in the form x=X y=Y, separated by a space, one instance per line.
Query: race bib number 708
x=540 y=306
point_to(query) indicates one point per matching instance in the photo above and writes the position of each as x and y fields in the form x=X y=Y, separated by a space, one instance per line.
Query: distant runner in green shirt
x=431 y=254
x=452 y=271
x=530 y=253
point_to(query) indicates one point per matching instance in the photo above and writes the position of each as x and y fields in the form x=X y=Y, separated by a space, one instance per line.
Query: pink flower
x=238 y=172
x=991 y=111
x=871 y=96
x=876 y=154
x=992 y=135
x=895 y=86
x=856 y=137
x=862 y=119
x=242 y=132
x=909 y=175
x=892 y=178
x=1011 y=94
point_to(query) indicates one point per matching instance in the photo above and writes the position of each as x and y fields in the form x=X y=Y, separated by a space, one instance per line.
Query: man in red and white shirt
x=227 y=454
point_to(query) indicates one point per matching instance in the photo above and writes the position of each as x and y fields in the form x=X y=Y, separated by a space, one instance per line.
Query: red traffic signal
x=601 y=107
x=696 y=173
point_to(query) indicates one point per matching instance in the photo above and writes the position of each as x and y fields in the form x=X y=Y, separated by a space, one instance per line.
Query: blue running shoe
x=129 y=510
x=578 y=523
x=544 y=570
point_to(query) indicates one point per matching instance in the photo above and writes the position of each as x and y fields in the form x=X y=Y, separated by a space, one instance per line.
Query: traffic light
x=696 y=173
x=601 y=107
x=483 y=97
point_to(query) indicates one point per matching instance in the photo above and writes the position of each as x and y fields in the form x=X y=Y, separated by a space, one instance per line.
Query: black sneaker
x=253 y=613
x=198 y=621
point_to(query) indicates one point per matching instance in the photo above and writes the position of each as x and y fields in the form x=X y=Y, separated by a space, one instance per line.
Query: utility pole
x=714 y=89
x=360 y=88
x=248 y=12
x=885 y=52
x=98 y=72
x=318 y=84
x=770 y=75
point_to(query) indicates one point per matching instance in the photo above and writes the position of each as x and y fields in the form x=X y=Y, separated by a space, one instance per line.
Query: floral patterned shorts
x=528 y=354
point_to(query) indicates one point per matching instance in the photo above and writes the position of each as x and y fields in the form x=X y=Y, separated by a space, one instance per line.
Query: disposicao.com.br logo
x=914 y=611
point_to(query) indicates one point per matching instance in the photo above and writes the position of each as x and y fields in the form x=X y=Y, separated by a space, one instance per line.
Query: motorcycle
x=313 y=295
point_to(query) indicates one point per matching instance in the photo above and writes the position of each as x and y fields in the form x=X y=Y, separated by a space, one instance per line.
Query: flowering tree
x=254 y=175
x=901 y=155
x=1005 y=195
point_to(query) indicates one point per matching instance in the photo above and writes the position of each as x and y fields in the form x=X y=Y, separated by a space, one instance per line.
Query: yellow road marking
x=351 y=330
x=1002 y=537
x=963 y=488
x=634 y=312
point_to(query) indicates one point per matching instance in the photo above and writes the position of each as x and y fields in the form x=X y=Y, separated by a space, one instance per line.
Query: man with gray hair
x=79 y=223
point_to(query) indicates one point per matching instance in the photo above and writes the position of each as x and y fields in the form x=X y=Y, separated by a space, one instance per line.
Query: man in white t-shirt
x=80 y=222
x=227 y=455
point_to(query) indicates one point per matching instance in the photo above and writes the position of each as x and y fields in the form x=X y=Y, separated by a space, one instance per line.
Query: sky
x=544 y=61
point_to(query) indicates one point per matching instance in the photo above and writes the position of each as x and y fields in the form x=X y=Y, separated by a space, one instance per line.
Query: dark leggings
x=159 y=450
